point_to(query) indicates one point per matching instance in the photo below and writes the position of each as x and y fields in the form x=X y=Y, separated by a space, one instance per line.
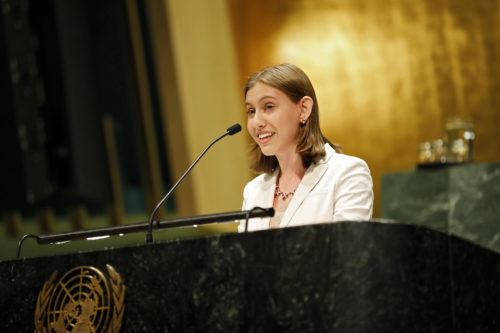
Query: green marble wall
x=460 y=200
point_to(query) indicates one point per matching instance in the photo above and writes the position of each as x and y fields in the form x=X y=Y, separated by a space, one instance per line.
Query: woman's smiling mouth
x=265 y=137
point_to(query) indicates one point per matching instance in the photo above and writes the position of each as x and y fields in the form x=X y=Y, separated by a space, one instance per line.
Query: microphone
x=233 y=129
x=230 y=131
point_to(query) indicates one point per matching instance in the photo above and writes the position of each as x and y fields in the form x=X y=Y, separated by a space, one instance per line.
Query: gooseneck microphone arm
x=230 y=131
x=63 y=237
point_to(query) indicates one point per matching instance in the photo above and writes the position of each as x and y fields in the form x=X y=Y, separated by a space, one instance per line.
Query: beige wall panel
x=387 y=73
x=173 y=120
x=209 y=102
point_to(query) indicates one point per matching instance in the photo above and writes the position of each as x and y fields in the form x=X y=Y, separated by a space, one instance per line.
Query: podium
x=340 y=277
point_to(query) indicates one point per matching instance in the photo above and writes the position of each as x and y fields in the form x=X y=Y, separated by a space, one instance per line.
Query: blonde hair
x=295 y=84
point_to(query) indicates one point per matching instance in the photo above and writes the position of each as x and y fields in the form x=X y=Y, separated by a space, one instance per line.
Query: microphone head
x=234 y=129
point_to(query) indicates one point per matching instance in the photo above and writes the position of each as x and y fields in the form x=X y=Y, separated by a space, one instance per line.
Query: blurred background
x=105 y=103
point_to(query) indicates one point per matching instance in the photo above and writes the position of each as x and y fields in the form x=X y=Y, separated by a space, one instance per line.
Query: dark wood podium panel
x=342 y=277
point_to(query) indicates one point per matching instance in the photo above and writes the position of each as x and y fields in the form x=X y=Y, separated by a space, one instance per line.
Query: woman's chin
x=266 y=151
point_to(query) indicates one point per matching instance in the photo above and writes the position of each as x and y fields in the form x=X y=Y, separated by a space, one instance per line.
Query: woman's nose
x=259 y=120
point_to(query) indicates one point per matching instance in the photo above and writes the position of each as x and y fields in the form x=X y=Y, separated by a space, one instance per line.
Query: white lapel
x=311 y=178
x=268 y=187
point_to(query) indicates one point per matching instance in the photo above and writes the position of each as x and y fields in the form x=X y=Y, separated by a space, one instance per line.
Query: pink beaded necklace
x=283 y=195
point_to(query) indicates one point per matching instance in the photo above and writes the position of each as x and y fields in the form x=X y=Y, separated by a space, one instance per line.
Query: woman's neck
x=291 y=172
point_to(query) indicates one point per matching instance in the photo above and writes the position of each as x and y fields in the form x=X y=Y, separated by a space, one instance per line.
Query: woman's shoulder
x=341 y=164
x=260 y=182
x=348 y=159
x=256 y=180
x=341 y=159
x=260 y=179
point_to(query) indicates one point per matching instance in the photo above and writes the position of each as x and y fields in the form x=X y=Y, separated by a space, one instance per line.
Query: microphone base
x=149 y=237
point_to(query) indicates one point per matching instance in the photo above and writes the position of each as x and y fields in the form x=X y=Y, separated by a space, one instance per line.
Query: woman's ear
x=306 y=104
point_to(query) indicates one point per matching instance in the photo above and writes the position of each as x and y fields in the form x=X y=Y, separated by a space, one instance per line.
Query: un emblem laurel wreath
x=117 y=296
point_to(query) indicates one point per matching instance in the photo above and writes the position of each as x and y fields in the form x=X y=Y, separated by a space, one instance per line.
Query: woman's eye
x=269 y=106
x=250 y=111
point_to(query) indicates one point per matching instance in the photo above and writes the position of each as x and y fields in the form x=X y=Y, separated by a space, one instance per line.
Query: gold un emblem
x=83 y=300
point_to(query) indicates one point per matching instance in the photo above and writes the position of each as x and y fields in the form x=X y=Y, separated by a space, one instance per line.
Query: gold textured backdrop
x=387 y=73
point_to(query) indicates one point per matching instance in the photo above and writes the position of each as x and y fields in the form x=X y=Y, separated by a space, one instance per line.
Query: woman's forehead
x=261 y=91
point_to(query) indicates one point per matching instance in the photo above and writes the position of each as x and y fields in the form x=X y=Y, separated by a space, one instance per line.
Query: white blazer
x=336 y=188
